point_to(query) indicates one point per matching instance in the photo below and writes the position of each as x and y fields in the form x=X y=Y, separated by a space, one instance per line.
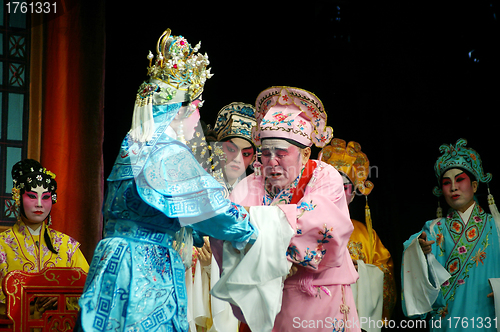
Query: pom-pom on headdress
x=28 y=174
x=177 y=75
x=235 y=120
x=179 y=65
x=293 y=114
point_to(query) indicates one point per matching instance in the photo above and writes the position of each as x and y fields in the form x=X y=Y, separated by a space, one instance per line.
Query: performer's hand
x=355 y=262
x=293 y=270
x=490 y=295
x=424 y=244
x=205 y=253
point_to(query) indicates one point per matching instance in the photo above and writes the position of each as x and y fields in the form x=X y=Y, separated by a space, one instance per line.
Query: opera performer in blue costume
x=451 y=267
x=157 y=195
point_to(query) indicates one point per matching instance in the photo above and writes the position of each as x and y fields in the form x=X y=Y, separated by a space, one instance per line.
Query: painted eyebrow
x=447 y=177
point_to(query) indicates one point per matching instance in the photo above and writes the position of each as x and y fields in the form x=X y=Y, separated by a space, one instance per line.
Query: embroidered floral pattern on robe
x=312 y=255
x=464 y=236
x=471 y=258
x=19 y=250
x=325 y=266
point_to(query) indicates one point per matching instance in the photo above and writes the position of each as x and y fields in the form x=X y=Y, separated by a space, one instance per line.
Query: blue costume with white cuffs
x=453 y=281
x=136 y=278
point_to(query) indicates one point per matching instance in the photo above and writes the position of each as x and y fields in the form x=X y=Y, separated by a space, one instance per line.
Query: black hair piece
x=48 y=242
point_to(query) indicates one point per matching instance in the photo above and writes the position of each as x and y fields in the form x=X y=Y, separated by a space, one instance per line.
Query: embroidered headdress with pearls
x=28 y=174
x=177 y=75
x=175 y=184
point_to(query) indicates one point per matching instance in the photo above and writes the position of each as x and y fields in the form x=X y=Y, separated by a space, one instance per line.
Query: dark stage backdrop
x=399 y=78
x=72 y=119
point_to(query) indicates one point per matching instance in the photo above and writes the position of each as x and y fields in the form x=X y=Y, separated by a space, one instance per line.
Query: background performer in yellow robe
x=375 y=288
x=30 y=245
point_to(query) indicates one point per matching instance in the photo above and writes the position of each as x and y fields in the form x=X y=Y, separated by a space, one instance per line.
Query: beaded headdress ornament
x=177 y=75
x=235 y=120
x=179 y=65
x=28 y=174
x=291 y=113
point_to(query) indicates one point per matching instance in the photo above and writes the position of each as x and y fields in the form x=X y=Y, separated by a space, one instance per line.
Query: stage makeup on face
x=239 y=155
x=37 y=204
x=281 y=162
x=458 y=189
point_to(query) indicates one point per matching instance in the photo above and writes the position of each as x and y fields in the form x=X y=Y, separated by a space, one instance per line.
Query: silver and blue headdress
x=235 y=120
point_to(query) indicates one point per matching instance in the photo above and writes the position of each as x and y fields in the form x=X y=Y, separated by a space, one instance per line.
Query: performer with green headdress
x=447 y=266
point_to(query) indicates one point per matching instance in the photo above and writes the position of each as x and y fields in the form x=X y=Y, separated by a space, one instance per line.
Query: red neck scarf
x=298 y=192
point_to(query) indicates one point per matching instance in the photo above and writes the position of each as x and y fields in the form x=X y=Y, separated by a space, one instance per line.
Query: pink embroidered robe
x=314 y=296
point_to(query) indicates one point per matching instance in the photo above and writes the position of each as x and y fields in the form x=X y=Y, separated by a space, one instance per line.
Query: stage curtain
x=72 y=117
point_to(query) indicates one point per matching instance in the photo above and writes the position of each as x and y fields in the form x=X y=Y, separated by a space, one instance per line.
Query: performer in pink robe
x=317 y=295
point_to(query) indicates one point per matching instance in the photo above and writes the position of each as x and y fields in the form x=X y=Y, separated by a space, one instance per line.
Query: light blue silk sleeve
x=174 y=183
x=231 y=225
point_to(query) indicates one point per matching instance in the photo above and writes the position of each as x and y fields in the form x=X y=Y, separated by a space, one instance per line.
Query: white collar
x=466 y=215
x=34 y=231
x=230 y=187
